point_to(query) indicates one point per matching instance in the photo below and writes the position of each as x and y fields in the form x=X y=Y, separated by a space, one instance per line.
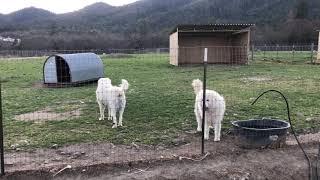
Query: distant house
x=8 y=42
x=226 y=43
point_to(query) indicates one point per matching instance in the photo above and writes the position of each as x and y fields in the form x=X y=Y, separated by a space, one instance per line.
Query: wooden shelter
x=226 y=43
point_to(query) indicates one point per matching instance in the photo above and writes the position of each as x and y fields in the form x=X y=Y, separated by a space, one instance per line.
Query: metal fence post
x=293 y=51
x=1 y=135
x=205 y=63
x=264 y=52
x=318 y=163
x=312 y=48
x=277 y=49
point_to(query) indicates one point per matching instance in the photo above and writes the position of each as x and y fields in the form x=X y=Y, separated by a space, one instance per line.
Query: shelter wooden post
x=318 y=54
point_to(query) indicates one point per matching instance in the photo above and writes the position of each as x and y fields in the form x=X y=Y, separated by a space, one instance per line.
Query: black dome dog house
x=70 y=69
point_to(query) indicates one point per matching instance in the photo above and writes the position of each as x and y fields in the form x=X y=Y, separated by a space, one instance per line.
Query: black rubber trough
x=261 y=133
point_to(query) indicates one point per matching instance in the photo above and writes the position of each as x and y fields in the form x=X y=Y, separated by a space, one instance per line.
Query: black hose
x=291 y=126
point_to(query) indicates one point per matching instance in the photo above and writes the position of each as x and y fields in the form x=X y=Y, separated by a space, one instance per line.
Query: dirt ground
x=182 y=161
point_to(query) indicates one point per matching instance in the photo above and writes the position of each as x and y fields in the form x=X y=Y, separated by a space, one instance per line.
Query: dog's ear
x=196 y=82
x=193 y=83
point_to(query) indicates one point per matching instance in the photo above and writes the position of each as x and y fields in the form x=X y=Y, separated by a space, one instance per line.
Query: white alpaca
x=113 y=98
x=214 y=106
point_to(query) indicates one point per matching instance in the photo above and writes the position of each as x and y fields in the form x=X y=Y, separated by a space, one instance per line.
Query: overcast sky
x=56 y=6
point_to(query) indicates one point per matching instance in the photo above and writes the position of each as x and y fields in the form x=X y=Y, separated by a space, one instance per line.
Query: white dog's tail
x=124 y=84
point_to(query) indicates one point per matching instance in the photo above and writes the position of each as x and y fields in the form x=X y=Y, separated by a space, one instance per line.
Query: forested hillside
x=147 y=23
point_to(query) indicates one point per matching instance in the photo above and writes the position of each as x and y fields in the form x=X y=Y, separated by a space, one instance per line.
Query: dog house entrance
x=63 y=70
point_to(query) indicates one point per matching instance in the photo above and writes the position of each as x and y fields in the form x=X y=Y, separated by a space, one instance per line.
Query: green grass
x=159 y=102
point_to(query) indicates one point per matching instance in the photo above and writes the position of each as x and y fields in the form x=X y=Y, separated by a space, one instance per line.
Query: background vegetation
x=147 y=23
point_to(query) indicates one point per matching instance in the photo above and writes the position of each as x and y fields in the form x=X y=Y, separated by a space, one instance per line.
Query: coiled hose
x=292 y=129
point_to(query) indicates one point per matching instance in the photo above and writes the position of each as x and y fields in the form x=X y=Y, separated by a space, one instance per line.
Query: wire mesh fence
x=58 y=111
x=287 y=54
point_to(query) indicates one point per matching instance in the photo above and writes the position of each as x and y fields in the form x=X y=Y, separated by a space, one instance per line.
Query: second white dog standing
x=215 y=108
x=112 y=97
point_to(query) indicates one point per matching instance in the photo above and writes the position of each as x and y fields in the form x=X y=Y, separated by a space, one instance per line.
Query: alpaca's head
x=197 y=86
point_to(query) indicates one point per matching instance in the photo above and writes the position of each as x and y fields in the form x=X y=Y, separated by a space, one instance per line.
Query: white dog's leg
x=114 y=118
x=120 y=116
x=101 y=108
x=206 y=130
x=199 y=120
x=123 y=106
x=109 y=113
x=217 y=120
x=217 y=131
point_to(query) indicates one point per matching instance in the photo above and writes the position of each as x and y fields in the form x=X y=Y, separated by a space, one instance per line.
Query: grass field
x=159 y=102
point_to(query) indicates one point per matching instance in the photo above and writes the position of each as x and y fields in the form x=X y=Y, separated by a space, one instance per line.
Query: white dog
x=214 y=106
x=103 y=84
x=113 y=98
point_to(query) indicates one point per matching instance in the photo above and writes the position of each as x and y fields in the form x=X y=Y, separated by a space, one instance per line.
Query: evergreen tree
x=301 y=9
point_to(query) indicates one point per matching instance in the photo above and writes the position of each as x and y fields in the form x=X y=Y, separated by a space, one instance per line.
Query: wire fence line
x=285 y=53
x=47 y=127
x=294 y=53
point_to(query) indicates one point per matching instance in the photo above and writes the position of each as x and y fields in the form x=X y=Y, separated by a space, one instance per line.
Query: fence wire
x=58 y=111
x=292 y=54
